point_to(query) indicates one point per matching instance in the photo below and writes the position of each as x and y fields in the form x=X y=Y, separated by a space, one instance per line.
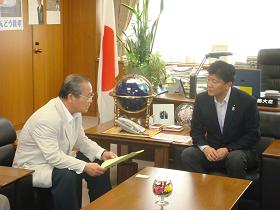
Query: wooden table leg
x=105 y=145
x=161 y=157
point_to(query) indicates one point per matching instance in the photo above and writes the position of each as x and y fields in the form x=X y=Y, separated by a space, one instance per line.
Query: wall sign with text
x=267 y=102
x=11 y=15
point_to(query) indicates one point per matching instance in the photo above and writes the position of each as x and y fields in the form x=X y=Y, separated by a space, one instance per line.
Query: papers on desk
x=118 y=131
x=112 y=162
x=142 y=176
x=173 y=138
x=272 y=93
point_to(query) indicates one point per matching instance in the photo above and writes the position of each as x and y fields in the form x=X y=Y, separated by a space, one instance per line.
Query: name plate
x=271 y=102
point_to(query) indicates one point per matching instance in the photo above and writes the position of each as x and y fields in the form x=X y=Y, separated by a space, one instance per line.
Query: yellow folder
x=112 y=162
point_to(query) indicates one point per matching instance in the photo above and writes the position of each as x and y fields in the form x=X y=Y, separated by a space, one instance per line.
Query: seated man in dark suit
x=224 y=127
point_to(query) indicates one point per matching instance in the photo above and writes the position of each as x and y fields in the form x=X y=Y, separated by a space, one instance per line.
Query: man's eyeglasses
x=89 y=97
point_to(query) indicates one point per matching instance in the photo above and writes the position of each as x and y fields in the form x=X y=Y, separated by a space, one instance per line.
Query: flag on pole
x=108 y=63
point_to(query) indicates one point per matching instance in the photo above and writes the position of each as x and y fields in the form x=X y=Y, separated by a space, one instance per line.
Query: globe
x=132 y=93
x=183 y=114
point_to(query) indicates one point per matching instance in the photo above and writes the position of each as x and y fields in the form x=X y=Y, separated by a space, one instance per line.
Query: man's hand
x=94 y=169
x=222 y=152
x=108 y=155
x=211 y=154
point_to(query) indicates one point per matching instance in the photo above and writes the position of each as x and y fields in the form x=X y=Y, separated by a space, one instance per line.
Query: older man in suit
x=224 y=128
x=46 y=145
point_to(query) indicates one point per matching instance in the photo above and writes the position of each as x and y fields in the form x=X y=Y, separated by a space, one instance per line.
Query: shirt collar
x=225 y=99
x=68 y=115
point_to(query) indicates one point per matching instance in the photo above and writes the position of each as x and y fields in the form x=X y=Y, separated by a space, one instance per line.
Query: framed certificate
x=163 y=114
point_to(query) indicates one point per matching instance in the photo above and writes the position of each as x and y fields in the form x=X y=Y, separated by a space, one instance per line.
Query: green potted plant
x=139 y=56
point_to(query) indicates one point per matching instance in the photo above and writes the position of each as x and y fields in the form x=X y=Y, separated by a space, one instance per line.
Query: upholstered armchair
x=19 y=192
x=269 y=122
x=269 y=126
x=269 y=62
x=7 y=139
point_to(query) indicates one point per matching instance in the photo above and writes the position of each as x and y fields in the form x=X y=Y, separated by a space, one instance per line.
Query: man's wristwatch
x=229 y=149
x=103 y=153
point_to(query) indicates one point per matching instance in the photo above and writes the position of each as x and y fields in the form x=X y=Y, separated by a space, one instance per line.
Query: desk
x=172 y=98
x=191 y=191
x=270 y=172
x=160 y=147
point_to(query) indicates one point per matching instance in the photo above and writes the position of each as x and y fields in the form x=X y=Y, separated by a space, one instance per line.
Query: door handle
x=38 y=50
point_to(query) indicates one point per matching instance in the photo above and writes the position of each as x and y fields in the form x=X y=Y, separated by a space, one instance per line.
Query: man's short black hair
x=223 y=70
x=72 y=84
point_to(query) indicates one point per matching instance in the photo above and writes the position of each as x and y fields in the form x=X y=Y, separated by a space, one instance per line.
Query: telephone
x=130 y=126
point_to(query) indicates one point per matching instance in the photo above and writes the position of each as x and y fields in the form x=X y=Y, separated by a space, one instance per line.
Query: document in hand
x=112 y=162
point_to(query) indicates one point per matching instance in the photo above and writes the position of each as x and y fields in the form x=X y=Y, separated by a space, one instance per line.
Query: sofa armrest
x=270 y=172
x=273 y=150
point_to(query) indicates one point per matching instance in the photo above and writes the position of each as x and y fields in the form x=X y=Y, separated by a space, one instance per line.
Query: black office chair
x=269 y=62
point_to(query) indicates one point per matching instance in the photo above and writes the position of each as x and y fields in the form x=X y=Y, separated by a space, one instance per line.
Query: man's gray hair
x=72 y=84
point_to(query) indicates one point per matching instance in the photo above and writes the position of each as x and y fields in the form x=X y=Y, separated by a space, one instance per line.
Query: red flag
x=108 y=63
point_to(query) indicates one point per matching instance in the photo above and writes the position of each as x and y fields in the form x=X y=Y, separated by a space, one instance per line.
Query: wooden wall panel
x=80 y=37
x=16 y=79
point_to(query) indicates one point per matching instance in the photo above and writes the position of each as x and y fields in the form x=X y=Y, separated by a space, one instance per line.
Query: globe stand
x=133 y=97
x=118 y=108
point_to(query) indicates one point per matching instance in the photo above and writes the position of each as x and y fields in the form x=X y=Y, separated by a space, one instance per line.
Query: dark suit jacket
x=241 y=125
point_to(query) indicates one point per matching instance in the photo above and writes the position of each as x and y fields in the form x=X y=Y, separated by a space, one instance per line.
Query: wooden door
x=16 y=79
x=80 y=41
x=47 y=62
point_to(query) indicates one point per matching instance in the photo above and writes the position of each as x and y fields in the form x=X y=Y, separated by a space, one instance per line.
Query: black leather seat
x=269 y=126
x=20 y=192
x=269 y=62
x=7 y=139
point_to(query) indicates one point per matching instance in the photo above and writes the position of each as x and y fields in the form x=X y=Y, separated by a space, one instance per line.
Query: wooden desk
x=190 y=191
x=9 y=175
x=160 y=147
x=269 y=109
x=172 y=98
x=270 y=173
x=178 y=99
